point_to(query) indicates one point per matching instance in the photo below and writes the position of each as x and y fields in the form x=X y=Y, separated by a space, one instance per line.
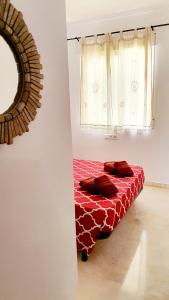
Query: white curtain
x=117 y=80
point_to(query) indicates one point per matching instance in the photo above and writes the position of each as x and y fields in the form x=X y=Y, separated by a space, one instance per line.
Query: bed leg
x=84 y=256
x=104 y=235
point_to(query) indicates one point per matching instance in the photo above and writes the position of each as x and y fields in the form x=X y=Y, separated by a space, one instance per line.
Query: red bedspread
x=96 y=214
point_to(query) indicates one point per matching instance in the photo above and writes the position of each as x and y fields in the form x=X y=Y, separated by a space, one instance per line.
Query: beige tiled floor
x=133 y=264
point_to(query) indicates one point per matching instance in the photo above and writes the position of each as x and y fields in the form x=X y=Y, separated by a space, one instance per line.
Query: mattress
x=96 y=214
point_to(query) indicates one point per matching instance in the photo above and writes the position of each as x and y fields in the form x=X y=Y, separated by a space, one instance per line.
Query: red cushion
x=89 y=185
x=105 y=187
x=109 y=167
x=123 y=169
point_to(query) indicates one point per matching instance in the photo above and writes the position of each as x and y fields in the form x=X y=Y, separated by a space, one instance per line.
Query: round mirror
x=8 y=76
x=20 y=74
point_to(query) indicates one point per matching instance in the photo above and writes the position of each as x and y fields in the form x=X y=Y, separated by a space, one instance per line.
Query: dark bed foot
x=104 y=235
x=84 y=256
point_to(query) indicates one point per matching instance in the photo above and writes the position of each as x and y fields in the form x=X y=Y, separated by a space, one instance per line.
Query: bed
x=97 y=216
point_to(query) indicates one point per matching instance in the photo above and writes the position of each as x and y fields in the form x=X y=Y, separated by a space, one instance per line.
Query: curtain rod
x=114 y=32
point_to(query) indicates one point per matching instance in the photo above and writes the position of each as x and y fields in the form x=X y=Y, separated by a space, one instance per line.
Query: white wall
x=37 y=232
x=151 y=151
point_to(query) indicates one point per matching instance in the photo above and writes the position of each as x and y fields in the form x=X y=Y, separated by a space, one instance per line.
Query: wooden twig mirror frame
x=23 y=110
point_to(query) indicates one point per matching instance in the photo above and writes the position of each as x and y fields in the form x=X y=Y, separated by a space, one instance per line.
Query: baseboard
x=156 y=184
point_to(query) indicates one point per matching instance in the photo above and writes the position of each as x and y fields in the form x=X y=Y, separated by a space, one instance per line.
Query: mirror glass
x=8 y=76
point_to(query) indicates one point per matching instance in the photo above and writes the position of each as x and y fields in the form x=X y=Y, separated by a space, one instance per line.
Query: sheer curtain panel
x=117 y=81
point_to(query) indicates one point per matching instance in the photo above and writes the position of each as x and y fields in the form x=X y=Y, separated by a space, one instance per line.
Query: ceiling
x=85 y=10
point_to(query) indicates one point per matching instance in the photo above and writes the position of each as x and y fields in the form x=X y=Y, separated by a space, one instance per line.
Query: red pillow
x=109 y=167
x=89 y=185
x=123 y=169
x=105 y=187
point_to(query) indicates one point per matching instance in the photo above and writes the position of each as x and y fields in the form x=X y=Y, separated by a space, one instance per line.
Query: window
x=117 y=81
